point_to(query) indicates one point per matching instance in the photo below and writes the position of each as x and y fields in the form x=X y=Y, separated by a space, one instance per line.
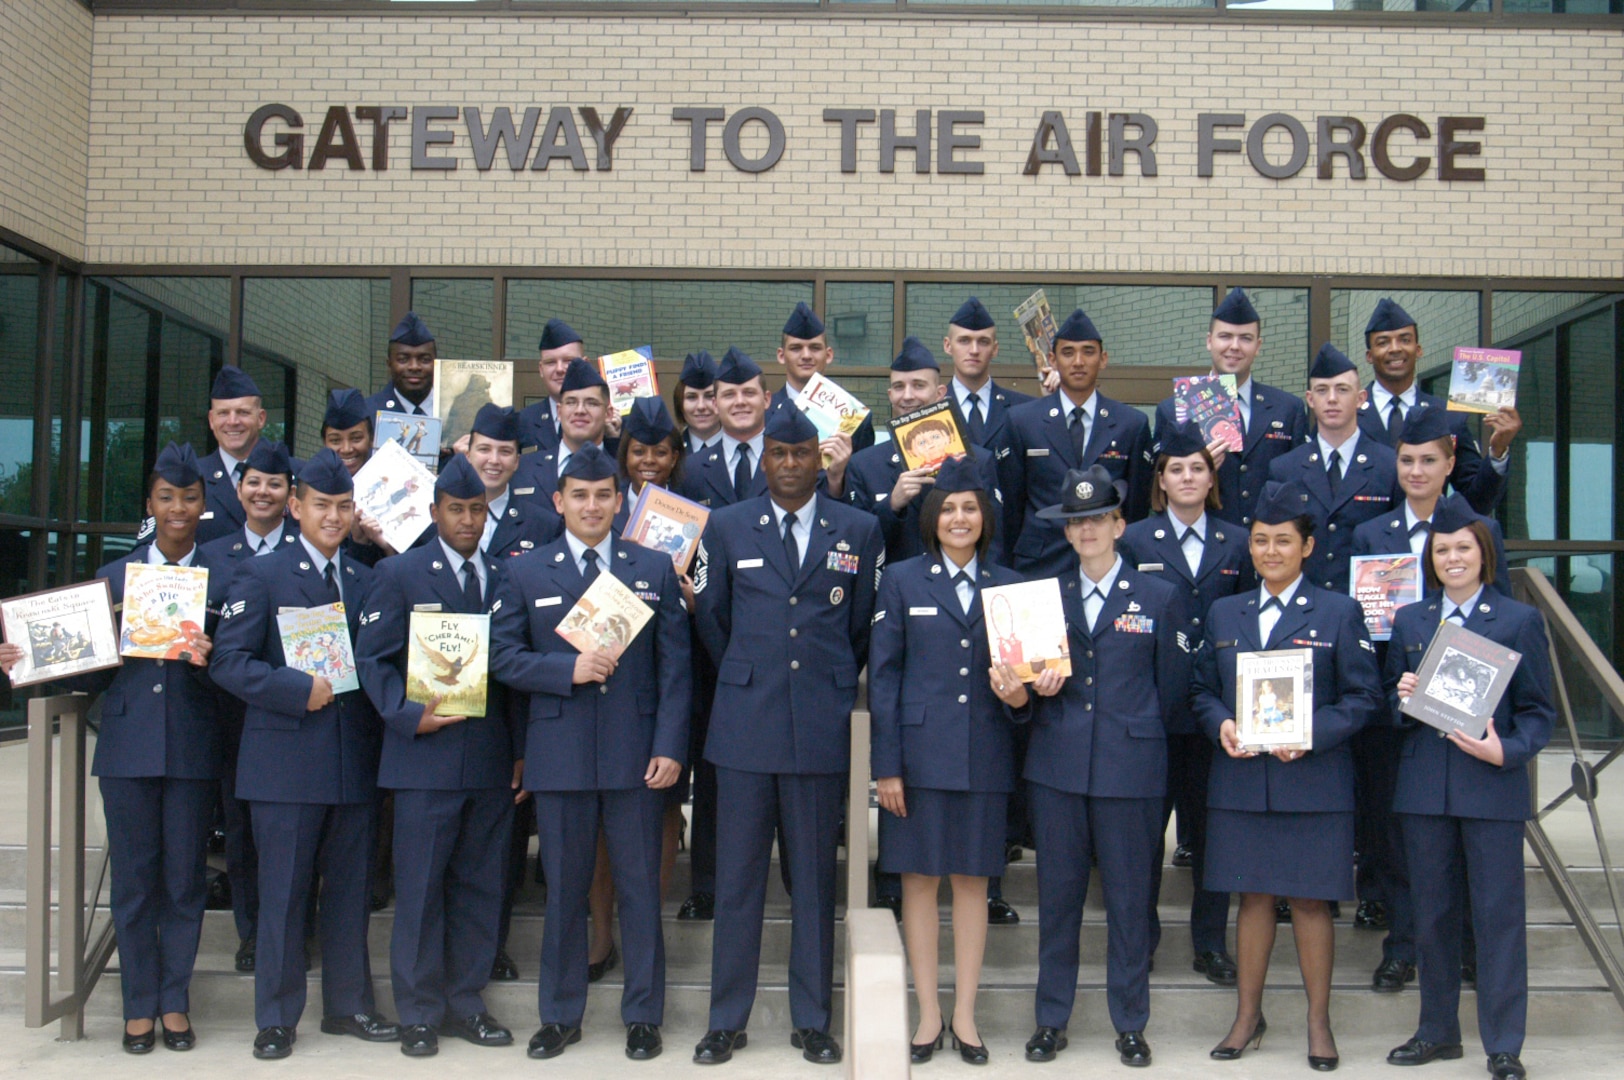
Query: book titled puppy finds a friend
x=1461 y=680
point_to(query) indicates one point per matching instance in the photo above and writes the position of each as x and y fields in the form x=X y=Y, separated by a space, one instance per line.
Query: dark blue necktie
x=1079 y=432
x=471 y=593
x=330 y=577
x=590 y=573
x=1334 y=471
x=741 y=472
x=973 y=422
x=791 y=551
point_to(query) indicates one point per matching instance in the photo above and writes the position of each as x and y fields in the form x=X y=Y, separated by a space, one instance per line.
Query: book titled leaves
x=665 y=521
x=607 y=616
x=1026 y=627
x=1038 y=327
x=461 y=387
x=630 y=375
x=1210 y=401
x=830 y=407
x=316 y=641
x=448 y=659
x=1274 y=699
x=1460 y=681
x=1382 y=584
x=1483 y=380
x=395 y=490
x=164 y=608
x=419 y=436
x=929 y=436
x=62 y=632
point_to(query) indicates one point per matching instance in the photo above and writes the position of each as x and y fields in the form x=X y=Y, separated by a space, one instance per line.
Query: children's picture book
x=1382 y=584
x=1210 y=401
x=448 y=658
x=316 y=641
x=1461 y=680
x=1026 y=627
x=419 y=436
x=1483 y=380
x=164 y=609
x=1039 y=328
x=665 y=521
x=395 y=490
x=62 y=632
x=461 y=387
x=830 y=407
x=1274 y=699
x=630 y=375
x=930 y=435
x=607 y=616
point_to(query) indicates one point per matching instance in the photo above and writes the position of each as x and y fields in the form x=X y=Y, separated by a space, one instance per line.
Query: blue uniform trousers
x=1189 y=762
x=451 y=849
x=1484 y=856
x=567 y=824
x=749 y=806
x=1383 y=870
x=702 y=827
x=1121 y=834
x=297 y=841
x=242 y=860
x=157 y=835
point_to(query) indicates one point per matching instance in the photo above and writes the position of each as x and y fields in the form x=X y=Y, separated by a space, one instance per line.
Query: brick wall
x=44 y=121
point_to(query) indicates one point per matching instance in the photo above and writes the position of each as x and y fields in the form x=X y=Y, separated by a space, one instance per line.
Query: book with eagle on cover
x=1382 y=584
x=447 y=657
x=607 y=616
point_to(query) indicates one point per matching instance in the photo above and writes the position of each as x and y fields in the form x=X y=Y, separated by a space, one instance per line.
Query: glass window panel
x=19 y=359
x=860 y=316
x=1530 y=506
x=1283 y=358
x=1518 y=313
x=1564 y=7
x=14 y=544
x=458 y=312
x=1592 y=427
x=1445 y=321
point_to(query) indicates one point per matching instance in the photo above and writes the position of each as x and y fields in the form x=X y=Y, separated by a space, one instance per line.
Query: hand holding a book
x=321 y=693
x=11 y=654
x=1229 y=737
x=889 y=790
x=908 y=486
x=431 y=720
x=1488 y=748
x=687 y=584
x=595 y=666
x=1503 y=426
x=1219 y=449
x=662 y=772
x=519 y=793
x=1407 y=684
x=1008 y=686
x=198 y=647
x=1048 y=682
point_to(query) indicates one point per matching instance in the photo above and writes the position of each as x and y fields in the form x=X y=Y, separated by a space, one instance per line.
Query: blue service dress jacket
x=1367 y=489
x=1389 y=535
x=1346 y=698
x=222 y=510
x=1482 y=484
x=538 y=426
x=1033 y=457
x=788 y=642
x=707 y=479
x=936 y=722
x=1278 y=426
x=1105 y=733
x=1435 y=777
x=872 y=473
x=289 y=754
x=1003 y=400
x=593 y=736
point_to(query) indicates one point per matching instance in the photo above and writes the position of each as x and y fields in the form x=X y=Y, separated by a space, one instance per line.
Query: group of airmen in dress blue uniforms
x=820 y=558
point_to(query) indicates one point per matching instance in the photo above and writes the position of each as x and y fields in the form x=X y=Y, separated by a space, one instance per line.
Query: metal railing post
x=857 y=818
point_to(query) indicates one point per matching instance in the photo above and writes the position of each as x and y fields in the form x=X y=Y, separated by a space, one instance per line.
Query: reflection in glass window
x=1282 y=360
x=859 y=316
x=1592 y=426
x=1445 y=320
x=458 y=311
x=19 y=345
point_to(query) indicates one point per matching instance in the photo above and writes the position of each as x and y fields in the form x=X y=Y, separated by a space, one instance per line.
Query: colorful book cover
x=419 y=436
x=395 y=490
x=448 y=659
x=1038 y=327
x=461 y=387
x=316 y=641
x=1274 y=699
x=630 y=375
x=830 y=407
x=1211 y=402
x=930 y=435
x=608 y=616
x=665 y=521
x=1483 y=380
x=1382 y=584
x=63 y=632
x=1026 y=627
x=164 y=609
x=1461 y=680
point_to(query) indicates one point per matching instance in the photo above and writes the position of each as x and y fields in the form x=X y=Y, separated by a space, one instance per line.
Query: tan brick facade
x=44 y=121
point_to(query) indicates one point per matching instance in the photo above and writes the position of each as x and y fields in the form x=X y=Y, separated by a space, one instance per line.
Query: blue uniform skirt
x=945 y=832
x=1306 y=855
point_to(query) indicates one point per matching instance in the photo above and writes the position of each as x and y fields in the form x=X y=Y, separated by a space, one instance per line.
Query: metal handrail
x=1568 y=638
x=80 y=959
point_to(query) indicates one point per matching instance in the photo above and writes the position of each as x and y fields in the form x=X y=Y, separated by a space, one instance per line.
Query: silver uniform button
x=795 y=665
x=1088 y=680
x=964 y=643
x=794 y=600
x=963 y=698
x=964 y=671
x=160 y=663
x=1088 y=707
x=794 y=632
x=603 y=689
x=1332 y=526
x=158 y=689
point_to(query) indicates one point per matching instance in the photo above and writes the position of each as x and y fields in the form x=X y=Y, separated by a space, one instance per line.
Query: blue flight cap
x=324 y=472
x=178 y=465
x=1424 y=425
x=737 y=368
x=581 y=375
x=698 y=370
x=345 y=409
x=972 y=315
x=557 y=334
x=1329 y=362
x=959 y=473
x=1078 y=327
x=411 y=331
x=1281 y=503
x=649 y=422
x=459 y=479
x=790 y=425
x=914 y=357
x=1387 y=316
x=1182 y=440
x=232 y=382
x=1452 y=515
x=589 y=463
x=1086 y=493
x=270 y=456
x=1236 y=309
x=497 y=422
x=803 y=323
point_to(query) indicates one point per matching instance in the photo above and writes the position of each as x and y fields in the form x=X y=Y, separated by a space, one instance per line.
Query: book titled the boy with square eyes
x=930 y=435
x=1461 y=680
x=1274 y=699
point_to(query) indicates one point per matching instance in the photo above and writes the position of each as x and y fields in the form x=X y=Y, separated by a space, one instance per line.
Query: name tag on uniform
x=922 y=611
x=1151 y=567
x=285 y=610
x=208 y=515
x=842 y=562
x=1134 y=624
x=426 y=607
x=524 y=491
x=1037 y=452
x=549 y=601
x=748 y=564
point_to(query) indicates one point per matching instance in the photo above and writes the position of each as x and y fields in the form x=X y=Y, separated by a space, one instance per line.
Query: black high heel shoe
x=919 y=1053
x=183 y=1039
x=1230 y=1053
x=142 y=1043
x=971 y=1054
x=1324 y=1064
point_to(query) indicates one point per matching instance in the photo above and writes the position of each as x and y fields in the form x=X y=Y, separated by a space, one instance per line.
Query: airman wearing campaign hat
x=1087 y=493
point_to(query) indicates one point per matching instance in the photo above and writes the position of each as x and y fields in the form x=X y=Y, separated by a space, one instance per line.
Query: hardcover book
x=419 y=436
x=930 y=435
x=164 y=610
x=1210 y=402
x=630 y=375
x=608 y=616
x=62 y=632
x=830 y=407
x=1461 y=680
x=1382 y=584
x=1483 y=380
x=461 y=387
x=316 y=641
x=395 y=490
x=1026 y=627
x=1274 y=699
x=1038 y=327
x=665 y=521
x=448 y=658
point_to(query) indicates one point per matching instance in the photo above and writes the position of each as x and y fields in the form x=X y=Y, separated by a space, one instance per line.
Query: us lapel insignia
x=1133 y=605
x=1219 y=537
x=303 y=565
x=1277 y=424
x=841 y=545
x=836 y=595
x=936 y=569
x=763 y=519
x=350 y=570
x=622 y=554
x=513 y=512
x=823 y=523
x=1122 y=584
x=1161 y=534
x=1054 y=412
x=895 y=460
x=236 y=547
x=1360 y=459
x=437 y=564
x=1105 y=412
x=218 y=474
x=559 y=557
x=526 y=544
x=1364 y=406
x=639 y=584
x=1313 y=457
x=1483 y=608
x=1302 y=601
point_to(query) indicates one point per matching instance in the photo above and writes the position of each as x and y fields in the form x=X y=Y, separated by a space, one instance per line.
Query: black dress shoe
x=999 y=913
x=419 y=1040
x=274 y=1042
x=818 y=1047
x=1371 y=915
x=919 y=1053
x=1282 y=911
x=503 y=969
x=594 y=972
x=245 y=955
x=481 y=1029
x=184 y=1039
x=1468 y=972
x=642 y=1042
x=142 y=1043
x=1133 y=1049
x=1419 y=1052
x=700 y=907
x=1013 y=853
x=717 y=1046
x=368 y=1027
x=893 y=904
x=1391 y=976
x=1216 y=966
x=1506 y=1067
x=969 y=1053
x=1045 y=1043
x=550 y=1039
x=1181 y=855
x=1324 y=1064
